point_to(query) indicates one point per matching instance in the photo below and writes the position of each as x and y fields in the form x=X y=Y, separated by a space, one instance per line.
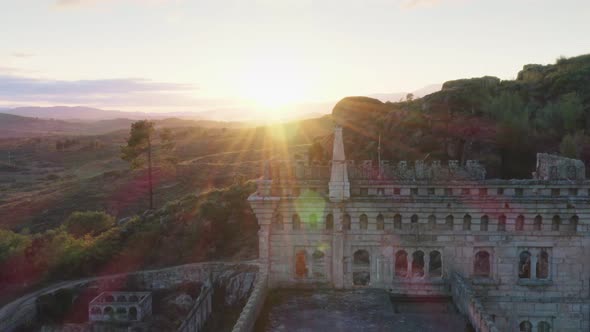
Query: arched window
x=364 y=222
x=121 y=298
x=313 y=221
x=133 y=313
x=519 y=224
x=555 y=223
x=432 y=221
x=318 y=255
x=301 y=264
x=418 y=264
x=414 y=219
x=380 y=222
x=538 y=225
x=361 y=257
x=346 y=222
x=524 y=265
x=397 y=221
x=435 y=264
x=571 y=172
x=95 y=311
x=542 y=267
x=484 y=222
x=502 y=222
x=449 y=221
x=277 y=222
x=481 y=264
x=401 y=263
x=296 y=222
x=525 y=326
x=108 y=310
x=543 y=327
x=329 y=222
x=467 y=222
x=574 y=222
x=109 y=298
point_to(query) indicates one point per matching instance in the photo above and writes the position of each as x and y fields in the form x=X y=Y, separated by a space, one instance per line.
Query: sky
x=267 y=55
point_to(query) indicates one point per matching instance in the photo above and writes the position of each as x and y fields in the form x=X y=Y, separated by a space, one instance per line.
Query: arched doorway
x=133 y=313
x=361 y=268
x=301 y=264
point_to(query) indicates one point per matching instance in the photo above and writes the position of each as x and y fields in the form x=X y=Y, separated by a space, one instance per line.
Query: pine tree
x=138 y=150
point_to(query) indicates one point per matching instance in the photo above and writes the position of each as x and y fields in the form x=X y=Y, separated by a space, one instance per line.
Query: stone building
x=523 y=246
x=120 y=307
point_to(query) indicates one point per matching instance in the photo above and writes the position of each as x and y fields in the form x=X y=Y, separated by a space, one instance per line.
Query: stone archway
x=301 y=269
x=133 y=313
x=361 y=268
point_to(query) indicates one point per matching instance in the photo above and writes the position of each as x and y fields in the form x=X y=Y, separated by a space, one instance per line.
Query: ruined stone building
x=522 y=246
x=120 y=307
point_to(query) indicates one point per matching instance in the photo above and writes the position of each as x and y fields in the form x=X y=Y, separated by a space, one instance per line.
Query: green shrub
x=88 y=222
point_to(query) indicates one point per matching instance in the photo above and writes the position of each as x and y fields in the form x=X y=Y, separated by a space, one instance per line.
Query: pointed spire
x=339 y=184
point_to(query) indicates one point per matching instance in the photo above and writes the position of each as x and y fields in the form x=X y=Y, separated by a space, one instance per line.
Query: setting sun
x=274 y=84
x=295 y=165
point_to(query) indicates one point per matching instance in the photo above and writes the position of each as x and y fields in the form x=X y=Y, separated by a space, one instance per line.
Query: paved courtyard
x=354 y=310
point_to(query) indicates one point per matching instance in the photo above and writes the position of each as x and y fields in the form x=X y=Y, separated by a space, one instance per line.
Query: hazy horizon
x=264 y=58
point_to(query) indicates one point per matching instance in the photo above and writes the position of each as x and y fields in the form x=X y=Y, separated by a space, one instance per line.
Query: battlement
x=368 y=170
x=418 y=170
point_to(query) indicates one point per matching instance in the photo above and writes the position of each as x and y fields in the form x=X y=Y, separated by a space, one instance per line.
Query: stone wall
x=470 y=306
x=23 y=310
x=254 y=305
x=200 y=311
x=552 y=167
x=479 y=223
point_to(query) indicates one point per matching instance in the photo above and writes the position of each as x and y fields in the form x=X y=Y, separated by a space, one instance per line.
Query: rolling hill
x=502 y=123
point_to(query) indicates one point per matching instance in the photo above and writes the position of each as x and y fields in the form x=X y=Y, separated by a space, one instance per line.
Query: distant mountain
x=82 y=113
x=397 y=96
x=20 y=126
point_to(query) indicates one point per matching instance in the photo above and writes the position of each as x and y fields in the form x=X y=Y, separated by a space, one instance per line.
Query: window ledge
x=483 y=281
x=420 y=280
x=535 y=282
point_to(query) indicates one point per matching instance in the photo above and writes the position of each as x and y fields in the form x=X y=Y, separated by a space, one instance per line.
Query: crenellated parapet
x=417 y=170
x=292 y=170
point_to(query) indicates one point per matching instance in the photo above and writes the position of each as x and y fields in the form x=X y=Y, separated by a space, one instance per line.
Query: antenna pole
x=379 y=155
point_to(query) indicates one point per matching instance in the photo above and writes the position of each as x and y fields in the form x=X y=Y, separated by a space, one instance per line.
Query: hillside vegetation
x=215 y=225
x=503 y=123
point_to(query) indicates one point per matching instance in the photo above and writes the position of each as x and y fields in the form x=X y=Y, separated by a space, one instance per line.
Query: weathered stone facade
x=120 y=306
x=522 y=246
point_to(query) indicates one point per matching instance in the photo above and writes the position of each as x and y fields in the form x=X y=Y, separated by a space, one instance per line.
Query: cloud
x=7 y=70
x=104 y=92
x=22 y=55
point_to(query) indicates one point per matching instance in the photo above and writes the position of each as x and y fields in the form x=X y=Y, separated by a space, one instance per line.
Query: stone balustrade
x=470 y=306
x=254 y=305
x=200 y=311
x=23 y=310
